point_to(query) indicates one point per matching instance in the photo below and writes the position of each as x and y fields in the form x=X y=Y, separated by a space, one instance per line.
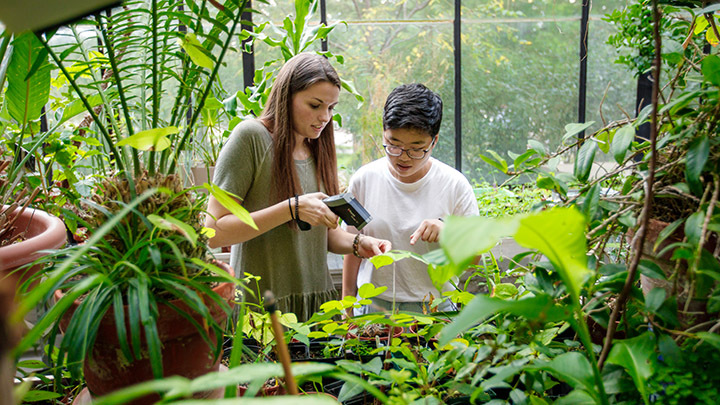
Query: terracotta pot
x=43 y=232
x=696 y=306
x=184 y=351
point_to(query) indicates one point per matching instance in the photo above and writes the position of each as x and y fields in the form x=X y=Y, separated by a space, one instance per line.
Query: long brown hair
x=299 y=73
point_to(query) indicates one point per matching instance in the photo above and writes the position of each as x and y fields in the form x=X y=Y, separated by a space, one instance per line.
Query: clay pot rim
x=53 y=236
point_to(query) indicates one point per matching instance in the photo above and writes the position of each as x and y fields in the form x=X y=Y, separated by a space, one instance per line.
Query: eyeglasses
x=416 y=154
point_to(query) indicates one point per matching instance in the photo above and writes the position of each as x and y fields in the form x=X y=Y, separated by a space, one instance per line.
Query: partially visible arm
x=351 y=265
x=341 y=242
x=230 y=230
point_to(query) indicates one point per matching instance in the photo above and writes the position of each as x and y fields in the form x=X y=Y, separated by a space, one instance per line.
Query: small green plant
x=686 y=375
x=499 y=201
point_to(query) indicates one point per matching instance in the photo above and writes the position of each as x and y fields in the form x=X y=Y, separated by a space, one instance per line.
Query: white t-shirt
x=397 y=210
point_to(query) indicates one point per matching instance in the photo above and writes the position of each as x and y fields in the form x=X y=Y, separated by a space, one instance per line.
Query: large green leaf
x=152 y=139
x=393 y=256
x=463 y=238
x=693 y=227
x=198 y=54
x=573 y=368
x=574 y=129
x=540 y=308
x=77 y=107
x=697 y=156
x=559 y=234
x=584 y=160
x=621 y=142
x=496 y=161
x=25 y=98
x=637 y=356
x=711 y=69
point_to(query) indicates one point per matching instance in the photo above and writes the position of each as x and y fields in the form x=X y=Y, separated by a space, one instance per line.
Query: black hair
x=413 y=106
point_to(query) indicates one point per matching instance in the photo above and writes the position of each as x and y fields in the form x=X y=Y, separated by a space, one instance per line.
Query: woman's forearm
x=230 y=230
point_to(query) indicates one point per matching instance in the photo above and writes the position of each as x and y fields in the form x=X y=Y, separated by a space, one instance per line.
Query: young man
x=408 y=194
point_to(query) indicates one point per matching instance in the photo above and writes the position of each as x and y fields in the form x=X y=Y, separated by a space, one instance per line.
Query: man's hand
x=428 y=231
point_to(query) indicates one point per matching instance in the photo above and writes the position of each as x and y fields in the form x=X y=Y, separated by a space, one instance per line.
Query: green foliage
x=296 y=35
x=687 y=379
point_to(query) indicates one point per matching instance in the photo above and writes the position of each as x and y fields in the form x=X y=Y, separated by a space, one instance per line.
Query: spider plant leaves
x=169 y=223
x=198 y=54
x=230 y=202
x=28 y=78
x=155 y=139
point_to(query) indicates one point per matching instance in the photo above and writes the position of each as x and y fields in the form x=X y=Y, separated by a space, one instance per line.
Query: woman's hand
x=428 y=231
x=313 y=210
x=369 y=246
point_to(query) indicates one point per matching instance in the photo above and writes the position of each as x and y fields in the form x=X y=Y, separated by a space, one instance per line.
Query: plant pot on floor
x=41 y=232
x=184 y=351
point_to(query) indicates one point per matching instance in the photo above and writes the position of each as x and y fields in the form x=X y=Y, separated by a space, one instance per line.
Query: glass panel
x=379 y=58
x=610 y=86
x=520 y=82
x=520 y=9
x=274 y=10
x=383 y=10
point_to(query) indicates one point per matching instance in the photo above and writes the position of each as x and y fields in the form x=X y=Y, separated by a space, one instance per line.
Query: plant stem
x=213 y=75
x=647 y=207
x=121 y=91
x=73 y=83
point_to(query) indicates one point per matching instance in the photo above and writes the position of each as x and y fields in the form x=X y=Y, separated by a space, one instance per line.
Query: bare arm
x=351 y=265
x=230 y=230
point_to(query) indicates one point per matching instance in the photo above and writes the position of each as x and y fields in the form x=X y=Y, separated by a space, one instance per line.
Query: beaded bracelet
x=355 y=244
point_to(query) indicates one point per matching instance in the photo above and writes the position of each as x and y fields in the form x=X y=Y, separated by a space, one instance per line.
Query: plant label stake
x=280 y=346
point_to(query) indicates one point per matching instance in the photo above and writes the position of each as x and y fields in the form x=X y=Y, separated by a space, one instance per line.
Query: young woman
x=281 y=166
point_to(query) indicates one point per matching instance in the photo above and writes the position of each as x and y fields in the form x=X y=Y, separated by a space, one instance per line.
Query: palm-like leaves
x=146 y=66
x=142 y=72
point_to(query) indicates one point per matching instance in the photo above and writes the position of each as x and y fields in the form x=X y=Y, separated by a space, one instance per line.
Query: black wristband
x=292 y=217
x=304 y=226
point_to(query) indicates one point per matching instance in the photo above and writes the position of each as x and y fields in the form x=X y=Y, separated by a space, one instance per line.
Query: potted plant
x=25 y=232
x=146 y=256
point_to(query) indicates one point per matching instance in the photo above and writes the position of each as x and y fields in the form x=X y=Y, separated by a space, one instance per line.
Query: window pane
x=606 y=79
x=519 y=82
x=520 y=9
x=383 y=10
x=381 y=57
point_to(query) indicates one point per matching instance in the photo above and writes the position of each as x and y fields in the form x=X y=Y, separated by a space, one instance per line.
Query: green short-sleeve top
x=291 y=263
